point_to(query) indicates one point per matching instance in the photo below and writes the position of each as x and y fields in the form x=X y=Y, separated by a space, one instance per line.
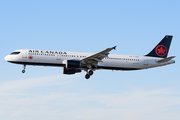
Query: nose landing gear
x=24 y=67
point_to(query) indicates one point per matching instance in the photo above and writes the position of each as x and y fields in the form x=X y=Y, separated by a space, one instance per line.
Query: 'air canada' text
x=46 y=52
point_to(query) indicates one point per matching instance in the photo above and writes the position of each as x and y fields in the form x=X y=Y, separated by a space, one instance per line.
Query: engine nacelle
x=70 y=70
x=73 y=64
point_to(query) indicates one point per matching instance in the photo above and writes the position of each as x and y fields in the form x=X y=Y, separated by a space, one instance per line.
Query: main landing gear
x=87 y=76
x=24 y=67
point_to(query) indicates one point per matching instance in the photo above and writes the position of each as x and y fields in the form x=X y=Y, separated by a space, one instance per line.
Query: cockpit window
x=14 y=53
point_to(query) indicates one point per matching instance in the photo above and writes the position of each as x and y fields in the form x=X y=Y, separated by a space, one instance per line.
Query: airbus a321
x=75 y=62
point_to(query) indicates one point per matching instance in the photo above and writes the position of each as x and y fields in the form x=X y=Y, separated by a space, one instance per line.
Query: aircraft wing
x=95 y=58
x=165 y=59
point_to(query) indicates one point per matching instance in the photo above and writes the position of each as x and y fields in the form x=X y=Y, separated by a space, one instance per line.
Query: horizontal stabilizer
x=165 y=59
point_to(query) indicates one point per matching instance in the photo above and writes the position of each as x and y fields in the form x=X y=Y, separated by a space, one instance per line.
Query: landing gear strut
x=24 y=67
x=87 y=76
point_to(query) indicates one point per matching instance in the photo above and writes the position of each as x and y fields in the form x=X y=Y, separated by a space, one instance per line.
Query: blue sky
x=89 y=26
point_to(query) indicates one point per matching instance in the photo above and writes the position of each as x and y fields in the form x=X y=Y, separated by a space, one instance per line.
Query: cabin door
x=24 y=54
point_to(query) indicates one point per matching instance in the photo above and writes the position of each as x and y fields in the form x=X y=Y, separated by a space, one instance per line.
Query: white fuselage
x=56 y=58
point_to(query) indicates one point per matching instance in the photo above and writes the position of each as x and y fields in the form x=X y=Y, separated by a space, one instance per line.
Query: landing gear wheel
x=24 y=67
x=90 y=72
x=23 y=71
x=87 y=76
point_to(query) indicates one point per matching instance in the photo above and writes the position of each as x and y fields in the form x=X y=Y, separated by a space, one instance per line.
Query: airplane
x=75 y=62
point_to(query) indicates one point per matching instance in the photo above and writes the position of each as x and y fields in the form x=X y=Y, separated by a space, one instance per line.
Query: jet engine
x=71 y=66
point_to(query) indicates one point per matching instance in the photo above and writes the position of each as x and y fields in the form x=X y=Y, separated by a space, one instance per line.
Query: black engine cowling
x=73 y=64
x=70 y=70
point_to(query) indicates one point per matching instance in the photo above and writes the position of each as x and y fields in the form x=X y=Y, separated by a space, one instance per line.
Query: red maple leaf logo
x=30 y=57
x=161 y=50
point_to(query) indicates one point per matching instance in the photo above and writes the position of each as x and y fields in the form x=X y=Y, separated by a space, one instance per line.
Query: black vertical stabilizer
x=161 y=50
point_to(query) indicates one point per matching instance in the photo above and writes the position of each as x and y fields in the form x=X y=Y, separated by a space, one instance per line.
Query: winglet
x=114 y=47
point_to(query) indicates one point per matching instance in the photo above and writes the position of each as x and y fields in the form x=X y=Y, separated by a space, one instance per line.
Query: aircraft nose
x=6 y=58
